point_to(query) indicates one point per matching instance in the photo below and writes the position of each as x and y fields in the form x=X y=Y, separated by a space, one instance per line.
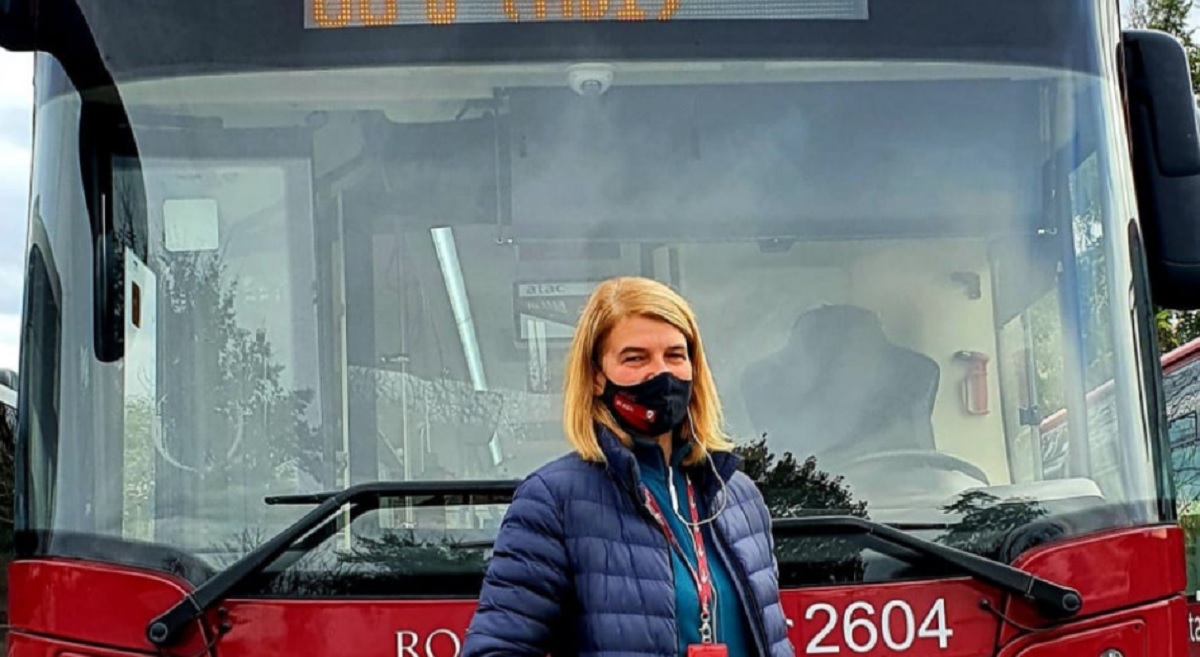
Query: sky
x=16 y=120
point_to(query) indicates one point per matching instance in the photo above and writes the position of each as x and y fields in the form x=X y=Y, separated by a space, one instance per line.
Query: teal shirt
x=730 y=625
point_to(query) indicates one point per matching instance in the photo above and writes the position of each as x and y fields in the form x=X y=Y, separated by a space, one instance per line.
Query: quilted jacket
x=580 y=568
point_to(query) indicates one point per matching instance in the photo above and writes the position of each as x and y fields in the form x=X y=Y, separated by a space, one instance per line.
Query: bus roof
x=1181 y=354
x=1178 y=356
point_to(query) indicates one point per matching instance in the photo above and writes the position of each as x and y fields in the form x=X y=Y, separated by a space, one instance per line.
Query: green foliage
x=1176 y=328
x=1170 y=16
x=792 y=489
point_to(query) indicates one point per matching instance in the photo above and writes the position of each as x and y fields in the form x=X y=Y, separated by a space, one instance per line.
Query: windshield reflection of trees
x=226 y=427
x=246 y=393
x=793 y=489
x=394 y=562
x=978 y=522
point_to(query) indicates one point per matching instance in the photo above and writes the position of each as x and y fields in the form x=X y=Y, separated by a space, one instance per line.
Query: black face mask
x=650 y=408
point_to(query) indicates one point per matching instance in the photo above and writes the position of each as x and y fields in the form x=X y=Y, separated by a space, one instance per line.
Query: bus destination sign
x=327 y=14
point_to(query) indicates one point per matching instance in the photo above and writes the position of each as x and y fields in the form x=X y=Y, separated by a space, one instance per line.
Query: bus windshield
x=908 y=258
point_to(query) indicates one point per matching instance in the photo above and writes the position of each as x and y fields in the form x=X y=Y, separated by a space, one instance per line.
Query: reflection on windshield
x=319 y=296
x=793 y=489
x=250 y=436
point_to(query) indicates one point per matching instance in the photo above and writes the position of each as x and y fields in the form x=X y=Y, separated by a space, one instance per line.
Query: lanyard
x=701 y=578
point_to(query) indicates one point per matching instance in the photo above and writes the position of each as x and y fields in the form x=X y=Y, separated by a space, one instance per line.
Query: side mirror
x=1165 y=135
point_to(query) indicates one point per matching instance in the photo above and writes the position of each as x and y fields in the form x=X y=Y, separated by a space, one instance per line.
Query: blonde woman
x=646 y=539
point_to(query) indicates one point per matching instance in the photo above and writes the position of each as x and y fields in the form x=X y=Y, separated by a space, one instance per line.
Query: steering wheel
x=902 y=459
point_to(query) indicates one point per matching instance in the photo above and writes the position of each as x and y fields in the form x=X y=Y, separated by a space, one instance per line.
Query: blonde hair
x=612 y=301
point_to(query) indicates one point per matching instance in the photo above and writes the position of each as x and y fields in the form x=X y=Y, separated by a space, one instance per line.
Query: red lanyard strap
x=700 y=574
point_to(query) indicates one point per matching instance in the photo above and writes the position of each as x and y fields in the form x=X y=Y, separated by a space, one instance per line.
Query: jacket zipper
x=740 y=580
x=758 y=625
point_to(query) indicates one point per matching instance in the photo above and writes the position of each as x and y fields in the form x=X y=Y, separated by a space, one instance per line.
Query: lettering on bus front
x=437 y=643
x=895 y=626
x=862 y=627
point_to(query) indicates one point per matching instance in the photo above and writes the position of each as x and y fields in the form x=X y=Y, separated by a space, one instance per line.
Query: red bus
x=1181 y=393
x=1181 y=372
x=7 y=438
x=8 y=432
x=301 y=275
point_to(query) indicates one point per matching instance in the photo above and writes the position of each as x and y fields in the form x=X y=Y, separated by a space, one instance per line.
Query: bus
x=1181 y=393
x=8 y=432
x=301 y=276
x=1181 y=390
x=1181 y=373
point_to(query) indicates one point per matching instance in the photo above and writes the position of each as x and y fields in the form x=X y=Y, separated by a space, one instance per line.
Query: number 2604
x=862 y=629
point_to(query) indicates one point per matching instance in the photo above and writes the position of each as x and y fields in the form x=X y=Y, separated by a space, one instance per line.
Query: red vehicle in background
x=1181 y=383
x=301 y=276
x=8 y=432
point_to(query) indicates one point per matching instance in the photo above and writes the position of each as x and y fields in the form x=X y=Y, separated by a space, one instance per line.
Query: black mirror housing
x=1165 y=142
x=17 y=28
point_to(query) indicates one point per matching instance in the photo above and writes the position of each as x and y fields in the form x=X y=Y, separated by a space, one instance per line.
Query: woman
x=598 y=551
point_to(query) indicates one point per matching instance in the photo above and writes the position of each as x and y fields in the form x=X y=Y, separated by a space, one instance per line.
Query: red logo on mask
x=634 y=413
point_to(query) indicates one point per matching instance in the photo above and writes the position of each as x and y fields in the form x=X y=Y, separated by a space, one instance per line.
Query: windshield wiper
x=165 y=630
x=1053 y=600
x=487 y=488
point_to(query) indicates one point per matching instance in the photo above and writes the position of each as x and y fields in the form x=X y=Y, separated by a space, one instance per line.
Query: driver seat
x=839 y=389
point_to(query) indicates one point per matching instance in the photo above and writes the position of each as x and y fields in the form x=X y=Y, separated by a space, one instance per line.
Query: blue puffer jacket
x=580 y=568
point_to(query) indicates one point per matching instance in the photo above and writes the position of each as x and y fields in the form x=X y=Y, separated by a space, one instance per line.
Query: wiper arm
x=165 y=630
x=487 y=488
x=1053 y=600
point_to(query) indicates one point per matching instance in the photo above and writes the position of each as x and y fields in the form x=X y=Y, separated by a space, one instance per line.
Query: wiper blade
x=487 y=488
x=1053 y=600
x=165 y=629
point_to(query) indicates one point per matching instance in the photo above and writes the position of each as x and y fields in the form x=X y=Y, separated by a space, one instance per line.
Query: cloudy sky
x=16 y=97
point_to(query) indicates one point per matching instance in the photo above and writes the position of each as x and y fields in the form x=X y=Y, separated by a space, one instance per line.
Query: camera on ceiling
x=590 y=79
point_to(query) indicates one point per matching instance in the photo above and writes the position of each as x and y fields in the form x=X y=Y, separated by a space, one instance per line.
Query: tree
x=226 y=428
x=1170 y=16
x=995 y=528
x=1175 y=328
x=792 y=489
x=1000 y=529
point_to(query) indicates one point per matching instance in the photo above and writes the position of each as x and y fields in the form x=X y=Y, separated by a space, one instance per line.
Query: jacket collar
x=622 y=463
